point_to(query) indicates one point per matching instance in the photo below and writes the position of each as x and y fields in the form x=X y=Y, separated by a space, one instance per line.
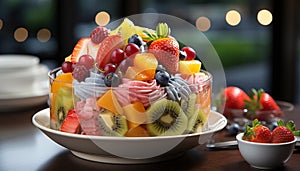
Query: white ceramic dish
x=265 y=155
x=128 y=150
x=12 y=62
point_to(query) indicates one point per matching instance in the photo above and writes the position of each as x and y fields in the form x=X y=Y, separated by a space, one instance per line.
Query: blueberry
x=182 y=55
x=162 y=78
x=112 y=80
x=136 y=39
x=160 y=68
x=272 y=125
x=233 y=129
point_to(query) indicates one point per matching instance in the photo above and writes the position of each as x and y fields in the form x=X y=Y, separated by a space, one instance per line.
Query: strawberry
x=235 y=98
x=284 y=132
x=257 y=133
x=80 y=49
x=164 y=47
x=71 y=123
x=99 y=34
x=109 y=44
x=260 y=100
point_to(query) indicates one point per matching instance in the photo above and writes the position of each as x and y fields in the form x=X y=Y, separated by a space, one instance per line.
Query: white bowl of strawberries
x=265 y=149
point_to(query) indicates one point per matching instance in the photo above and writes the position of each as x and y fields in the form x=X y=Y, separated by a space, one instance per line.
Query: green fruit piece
x=197 y=121
x=188 y=105
x=165 y=118
x=62 y=105
x=112 y=124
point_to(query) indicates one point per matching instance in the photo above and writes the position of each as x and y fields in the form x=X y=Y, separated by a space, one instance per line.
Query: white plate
x=18 y=102
x=127 y=150
x=15 y=61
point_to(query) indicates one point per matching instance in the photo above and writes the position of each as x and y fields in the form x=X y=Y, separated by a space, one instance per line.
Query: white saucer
x=15 y=102
x=11 y=62
x=128 y=150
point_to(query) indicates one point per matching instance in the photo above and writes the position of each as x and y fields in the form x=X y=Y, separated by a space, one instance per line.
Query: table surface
x=24 y=147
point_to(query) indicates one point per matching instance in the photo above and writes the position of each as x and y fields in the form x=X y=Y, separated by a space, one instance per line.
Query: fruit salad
x=131 y=81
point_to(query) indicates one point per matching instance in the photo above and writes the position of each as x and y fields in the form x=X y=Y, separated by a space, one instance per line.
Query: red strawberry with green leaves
x=235 y=97
x=164 y=47
x=71 y=123
x=106 y=47
x=261 y=101
x=257 y=133
x=284 y=132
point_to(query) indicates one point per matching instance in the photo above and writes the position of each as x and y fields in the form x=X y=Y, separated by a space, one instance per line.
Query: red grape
x=190 y=52
x=117 y=56
x=67 y=66
x=131 y=49
x=87 y=61
x=108 y=68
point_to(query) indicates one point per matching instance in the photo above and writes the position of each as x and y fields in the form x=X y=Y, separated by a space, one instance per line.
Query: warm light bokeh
x=21 y=34
x=43 y=35
x=203 y=24
x=102 y=18
x=264 y=17
x=233 y=17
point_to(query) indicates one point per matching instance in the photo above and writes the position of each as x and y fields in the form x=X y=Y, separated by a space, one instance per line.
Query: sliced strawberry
x=71 y=123
x=92 y=49
x=106 y=47
x=80 y=49
x=166 y=51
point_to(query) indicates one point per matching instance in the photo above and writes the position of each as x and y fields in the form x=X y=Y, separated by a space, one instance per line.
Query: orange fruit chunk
x=109 y=101
x=138 y=131
x=62 y=80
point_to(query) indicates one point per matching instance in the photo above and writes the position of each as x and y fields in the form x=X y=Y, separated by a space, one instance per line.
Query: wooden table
x=23 y=147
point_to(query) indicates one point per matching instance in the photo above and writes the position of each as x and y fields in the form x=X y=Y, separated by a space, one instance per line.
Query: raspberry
x=99 y=34
x=80 y=72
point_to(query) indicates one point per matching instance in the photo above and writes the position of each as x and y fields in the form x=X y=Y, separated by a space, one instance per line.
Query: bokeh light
x=102 y=18
x=233 y=17
x=20 y=34
x=43 y=35
x=203 y=24
x=264 y=17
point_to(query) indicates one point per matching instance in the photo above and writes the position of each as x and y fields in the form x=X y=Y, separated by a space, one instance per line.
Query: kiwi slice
x=188 y=105
x=112 y=124
x=62 y=105
x=165 y=117
x=196 y=122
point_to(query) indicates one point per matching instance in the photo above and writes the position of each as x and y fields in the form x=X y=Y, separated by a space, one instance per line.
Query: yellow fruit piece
x=127 y=29
x=138 y=131
x=189 y=67
x=135 y=114
x=68 y=58
x=135 y=73
x=62 y=80
x=145 y=61
x=109 y=101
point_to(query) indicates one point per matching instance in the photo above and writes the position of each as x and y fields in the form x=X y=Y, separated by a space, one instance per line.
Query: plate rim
x=44 y=112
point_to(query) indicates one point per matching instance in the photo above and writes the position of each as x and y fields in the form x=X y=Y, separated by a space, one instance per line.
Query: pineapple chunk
x=189 y=67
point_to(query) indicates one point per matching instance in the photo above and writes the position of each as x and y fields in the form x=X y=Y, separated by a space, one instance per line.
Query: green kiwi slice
x=62 y=105
x=166 y=118
x=112 y=124
x=196 y=122
x=188 y=105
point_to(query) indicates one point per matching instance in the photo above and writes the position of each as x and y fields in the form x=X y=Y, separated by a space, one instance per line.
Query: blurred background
x=256 y=40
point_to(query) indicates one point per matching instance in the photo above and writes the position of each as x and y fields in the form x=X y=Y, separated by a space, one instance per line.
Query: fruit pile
x=256 y=105
x=131 y=81
x=262 y=134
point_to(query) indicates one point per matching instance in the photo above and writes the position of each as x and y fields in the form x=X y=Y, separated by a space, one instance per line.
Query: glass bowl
x=131 y=109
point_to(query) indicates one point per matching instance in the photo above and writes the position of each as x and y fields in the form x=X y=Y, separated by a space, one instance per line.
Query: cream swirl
x=145 y=92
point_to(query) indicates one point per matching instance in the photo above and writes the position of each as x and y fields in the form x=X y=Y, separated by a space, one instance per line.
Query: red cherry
x=109 y=68
x=131 y=49
x=117 y=56
x=190 y=53
x=87 y=61
x=67 y=66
